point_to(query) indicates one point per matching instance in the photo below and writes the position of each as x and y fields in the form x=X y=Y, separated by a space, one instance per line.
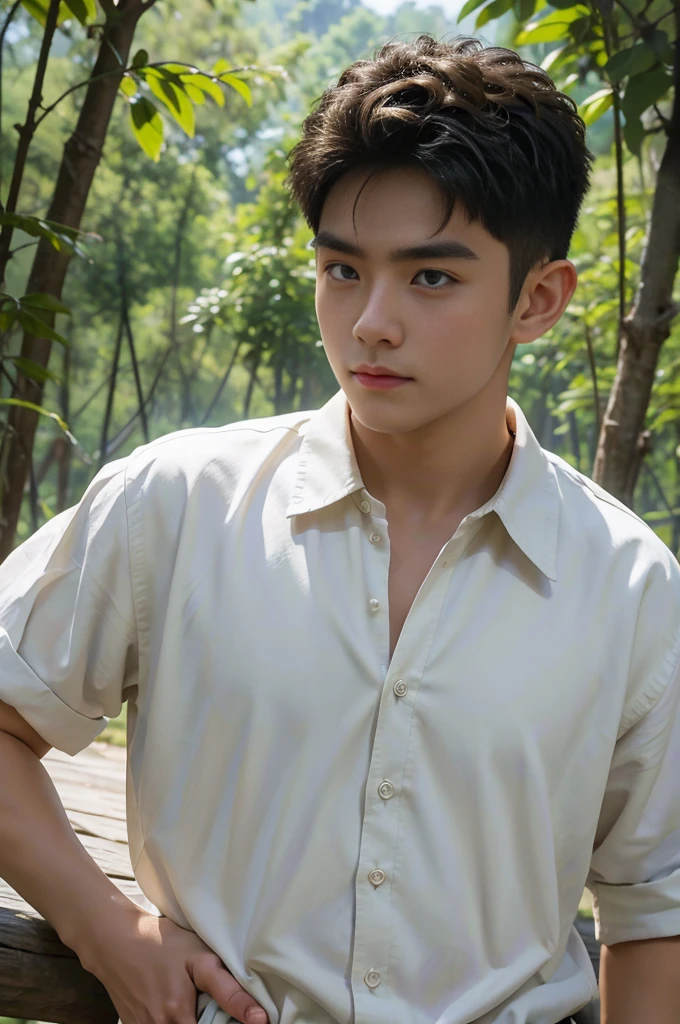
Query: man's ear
x=545 y=296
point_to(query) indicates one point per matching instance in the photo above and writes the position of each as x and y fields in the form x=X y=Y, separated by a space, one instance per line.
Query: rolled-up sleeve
x=68 y=640
x=634 y=874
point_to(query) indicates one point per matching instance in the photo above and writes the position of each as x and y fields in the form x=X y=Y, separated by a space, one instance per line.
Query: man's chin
x=385 y=417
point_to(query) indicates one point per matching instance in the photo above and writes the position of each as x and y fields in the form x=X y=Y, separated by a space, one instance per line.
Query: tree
x=631 y=48
x=179 y=88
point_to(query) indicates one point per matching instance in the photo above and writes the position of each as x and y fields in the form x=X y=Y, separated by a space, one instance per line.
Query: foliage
x=266 y=302
x=201 y=253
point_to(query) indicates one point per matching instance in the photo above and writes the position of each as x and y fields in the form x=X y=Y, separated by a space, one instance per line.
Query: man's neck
x=446 y=470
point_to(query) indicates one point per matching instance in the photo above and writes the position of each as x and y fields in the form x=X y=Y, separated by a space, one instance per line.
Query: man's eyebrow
x=427 y=251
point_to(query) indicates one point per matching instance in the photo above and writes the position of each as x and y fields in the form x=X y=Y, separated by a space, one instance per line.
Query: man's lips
x=377 y=381
x=377 y=371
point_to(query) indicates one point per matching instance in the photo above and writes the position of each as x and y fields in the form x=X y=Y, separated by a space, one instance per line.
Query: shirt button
x=400 y=688
x=375 y=538
x=377 y=876
x=386 y=789
x=372 y=978
x=365 y=506
x=374 y=604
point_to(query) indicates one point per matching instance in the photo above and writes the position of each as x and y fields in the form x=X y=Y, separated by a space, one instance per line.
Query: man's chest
x=273 y=723
x=413 y=553
x=291 y=640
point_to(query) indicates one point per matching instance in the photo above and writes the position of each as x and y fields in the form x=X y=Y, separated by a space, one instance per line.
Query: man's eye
x=434 y=279
x=341 y=272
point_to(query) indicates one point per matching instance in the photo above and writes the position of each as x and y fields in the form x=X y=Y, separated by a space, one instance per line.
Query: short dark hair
x=490 y=128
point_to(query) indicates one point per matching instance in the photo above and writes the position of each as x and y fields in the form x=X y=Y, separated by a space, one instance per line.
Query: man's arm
x=640 y=982
x=150 y=967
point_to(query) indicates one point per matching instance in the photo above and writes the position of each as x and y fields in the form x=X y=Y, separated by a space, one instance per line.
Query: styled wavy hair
x=490 y=128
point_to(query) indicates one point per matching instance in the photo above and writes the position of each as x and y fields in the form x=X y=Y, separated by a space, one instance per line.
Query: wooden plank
x=88 y=824
x=53 y=988
x=113 y=858
x=90 y=800
x=22 y=928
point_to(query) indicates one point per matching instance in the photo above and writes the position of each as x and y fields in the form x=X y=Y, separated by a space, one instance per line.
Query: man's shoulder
x=602 y=519
x=232 y=449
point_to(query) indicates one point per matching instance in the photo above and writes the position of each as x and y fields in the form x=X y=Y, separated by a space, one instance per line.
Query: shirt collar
x=527 y=501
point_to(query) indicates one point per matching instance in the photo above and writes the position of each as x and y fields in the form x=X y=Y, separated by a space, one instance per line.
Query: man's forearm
x=40 y=854
x=640 y=982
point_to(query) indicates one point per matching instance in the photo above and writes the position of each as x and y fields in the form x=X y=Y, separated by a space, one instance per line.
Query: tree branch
x=221 y=386
x=626 y=9
x=593 y=373
x=26 y=133
x=141 y=67
x=620 y=214
x=110 y=395
x=26 y=245
x=122 y=278
x=3 y=32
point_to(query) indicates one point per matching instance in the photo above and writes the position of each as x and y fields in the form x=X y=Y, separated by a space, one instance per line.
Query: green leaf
x=633 y=134
x=524 y=9
x=177 y=70
x=7 y=318
x=221 y=64
x=553 y=27
x=208 y=85
x=633 y=61
x=595 y=106
x=128 y=86
x=194 y=94
x=553 y=57
x=660 y=43
x=496 y=9
x=31 y=369
x=36 y=408
x=84 y=10
x=241 y=88
x=175 y=100
x=140 y=59
x=39 y=329
x=147 y=125
x=39 y=300
x=644 y=90
x=580 y=28
x=469 y=7
x=63 y=238
x=38 y=10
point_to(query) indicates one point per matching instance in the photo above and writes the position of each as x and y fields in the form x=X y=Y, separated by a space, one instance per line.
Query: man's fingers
x=210 y=975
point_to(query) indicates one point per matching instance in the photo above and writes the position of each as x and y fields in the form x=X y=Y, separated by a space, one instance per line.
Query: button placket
x=375 y=887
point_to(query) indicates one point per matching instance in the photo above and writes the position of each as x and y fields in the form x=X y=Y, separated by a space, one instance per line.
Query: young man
x=399 y=681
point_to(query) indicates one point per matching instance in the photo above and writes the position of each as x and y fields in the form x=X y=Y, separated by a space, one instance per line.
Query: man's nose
x=378 y=321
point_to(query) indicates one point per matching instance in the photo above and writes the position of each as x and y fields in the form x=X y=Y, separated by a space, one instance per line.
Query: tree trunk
x=622 y=444
x=81 y=156
x=574 y=438
x=66 y=451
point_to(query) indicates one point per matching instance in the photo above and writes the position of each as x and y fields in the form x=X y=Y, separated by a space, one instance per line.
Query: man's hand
x=153 y=971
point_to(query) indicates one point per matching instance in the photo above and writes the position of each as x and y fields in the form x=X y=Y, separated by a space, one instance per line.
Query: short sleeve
x=68 y=642
x=634 y=874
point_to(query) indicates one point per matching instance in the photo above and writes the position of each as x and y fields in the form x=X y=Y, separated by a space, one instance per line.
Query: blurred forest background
x=180 y=291
x=154 y=276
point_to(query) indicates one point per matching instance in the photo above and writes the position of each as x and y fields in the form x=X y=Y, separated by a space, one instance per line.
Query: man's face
x=439 y=320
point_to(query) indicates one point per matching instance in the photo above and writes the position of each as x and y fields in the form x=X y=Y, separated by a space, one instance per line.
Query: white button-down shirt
x=364 y=840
